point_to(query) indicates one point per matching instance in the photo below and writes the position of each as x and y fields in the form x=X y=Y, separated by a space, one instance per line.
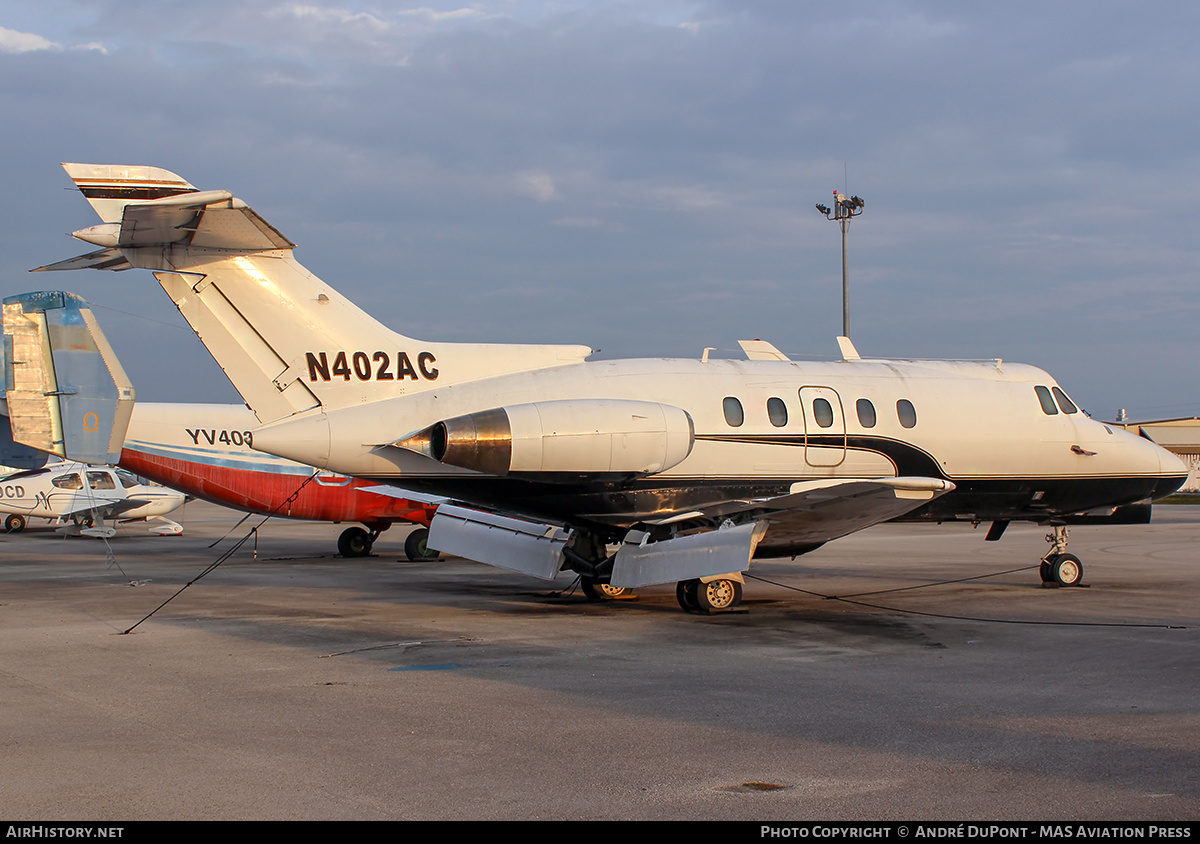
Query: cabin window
x=1065 y=403
x=906 y=413
x=823 y=412
x=1047 y=400
x=777 y=412
x=734 y=415
x=100 y=480
x=866 y=413
x=127 y=480
x=71 y=481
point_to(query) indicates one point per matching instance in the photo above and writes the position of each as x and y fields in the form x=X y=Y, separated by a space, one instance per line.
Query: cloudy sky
x=641 y=176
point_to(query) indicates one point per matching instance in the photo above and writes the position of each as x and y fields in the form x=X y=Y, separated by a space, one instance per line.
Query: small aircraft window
x=127 y=480
x=734 y=415
x=71 y=481
x=823 y=412
x=906 y=413
x=777 y=412
x=1047 y=400
x=1065 y=403
x=866 y=413
x=100 y=480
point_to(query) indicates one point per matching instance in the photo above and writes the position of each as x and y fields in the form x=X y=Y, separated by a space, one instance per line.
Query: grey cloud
x=644 y=174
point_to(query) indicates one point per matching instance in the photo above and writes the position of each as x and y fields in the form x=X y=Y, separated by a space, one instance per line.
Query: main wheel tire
x=1067 y=570
x=14 y=523
x=354 y=542
x=416 y=546
x=1046 y=570
x=685 y=594
x=596 y=591
x=718 y=595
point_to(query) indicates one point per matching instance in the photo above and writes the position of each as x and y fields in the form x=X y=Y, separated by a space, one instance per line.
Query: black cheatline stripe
x=908 y=459
x=133 y=193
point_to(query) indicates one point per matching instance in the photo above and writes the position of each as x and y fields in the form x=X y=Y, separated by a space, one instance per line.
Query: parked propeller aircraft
x=82 y=497
x=689 y=467
x=69 y=394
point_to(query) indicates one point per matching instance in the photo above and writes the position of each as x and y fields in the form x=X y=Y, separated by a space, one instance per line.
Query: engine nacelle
x=593 y=437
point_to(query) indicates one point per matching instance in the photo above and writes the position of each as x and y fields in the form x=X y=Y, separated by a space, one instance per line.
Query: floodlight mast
x=843 y=210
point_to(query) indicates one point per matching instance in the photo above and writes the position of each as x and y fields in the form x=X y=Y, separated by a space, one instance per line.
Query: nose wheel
x=1059 y=568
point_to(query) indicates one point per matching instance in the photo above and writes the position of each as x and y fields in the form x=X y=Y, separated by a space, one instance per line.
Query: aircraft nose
x=1172 y=472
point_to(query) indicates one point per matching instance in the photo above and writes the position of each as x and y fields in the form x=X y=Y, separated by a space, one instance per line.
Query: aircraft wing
x=116 y=508
x=822 y=510
x=812 y=512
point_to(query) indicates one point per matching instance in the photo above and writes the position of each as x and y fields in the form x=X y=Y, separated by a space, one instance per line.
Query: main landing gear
x=14 y=523
x=596 y=590
x=1058 y=567
x=358 y=542
x=717 y=595
x=587 y=555
x=416 y=546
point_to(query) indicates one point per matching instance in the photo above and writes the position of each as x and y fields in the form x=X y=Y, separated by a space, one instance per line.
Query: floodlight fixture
x=844 y=209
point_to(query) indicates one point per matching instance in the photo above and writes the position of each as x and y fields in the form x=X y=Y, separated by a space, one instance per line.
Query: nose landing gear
x=1059 y=568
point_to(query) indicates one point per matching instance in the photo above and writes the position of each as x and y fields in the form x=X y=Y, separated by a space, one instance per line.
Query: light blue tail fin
x=66 y=391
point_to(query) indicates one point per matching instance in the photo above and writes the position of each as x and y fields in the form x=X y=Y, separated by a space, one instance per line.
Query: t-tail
x=66 y=392
x=288 y=342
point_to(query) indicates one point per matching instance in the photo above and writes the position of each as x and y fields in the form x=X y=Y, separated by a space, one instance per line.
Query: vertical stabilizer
x=67 y=392
x=288 y=342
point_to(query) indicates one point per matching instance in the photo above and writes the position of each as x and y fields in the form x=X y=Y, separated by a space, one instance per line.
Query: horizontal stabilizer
x=67 y=393
x=102 y=259
x=152 y=207
x=513 y=544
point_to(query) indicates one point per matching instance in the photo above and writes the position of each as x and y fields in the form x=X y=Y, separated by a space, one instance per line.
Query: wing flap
x=513 y=544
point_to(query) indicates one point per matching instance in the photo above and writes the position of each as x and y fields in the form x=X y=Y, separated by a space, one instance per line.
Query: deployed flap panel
x=696 y=555
x=513 y=544
x=67 y=392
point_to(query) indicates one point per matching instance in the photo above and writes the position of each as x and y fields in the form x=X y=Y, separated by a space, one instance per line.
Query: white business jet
x=82 y=497
x=687 y=468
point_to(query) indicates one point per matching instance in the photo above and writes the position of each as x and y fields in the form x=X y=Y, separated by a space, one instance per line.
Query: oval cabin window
x=777 y=412
x=906 y=413
x=734 y=415
x=866 y=413
x=823 y=412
